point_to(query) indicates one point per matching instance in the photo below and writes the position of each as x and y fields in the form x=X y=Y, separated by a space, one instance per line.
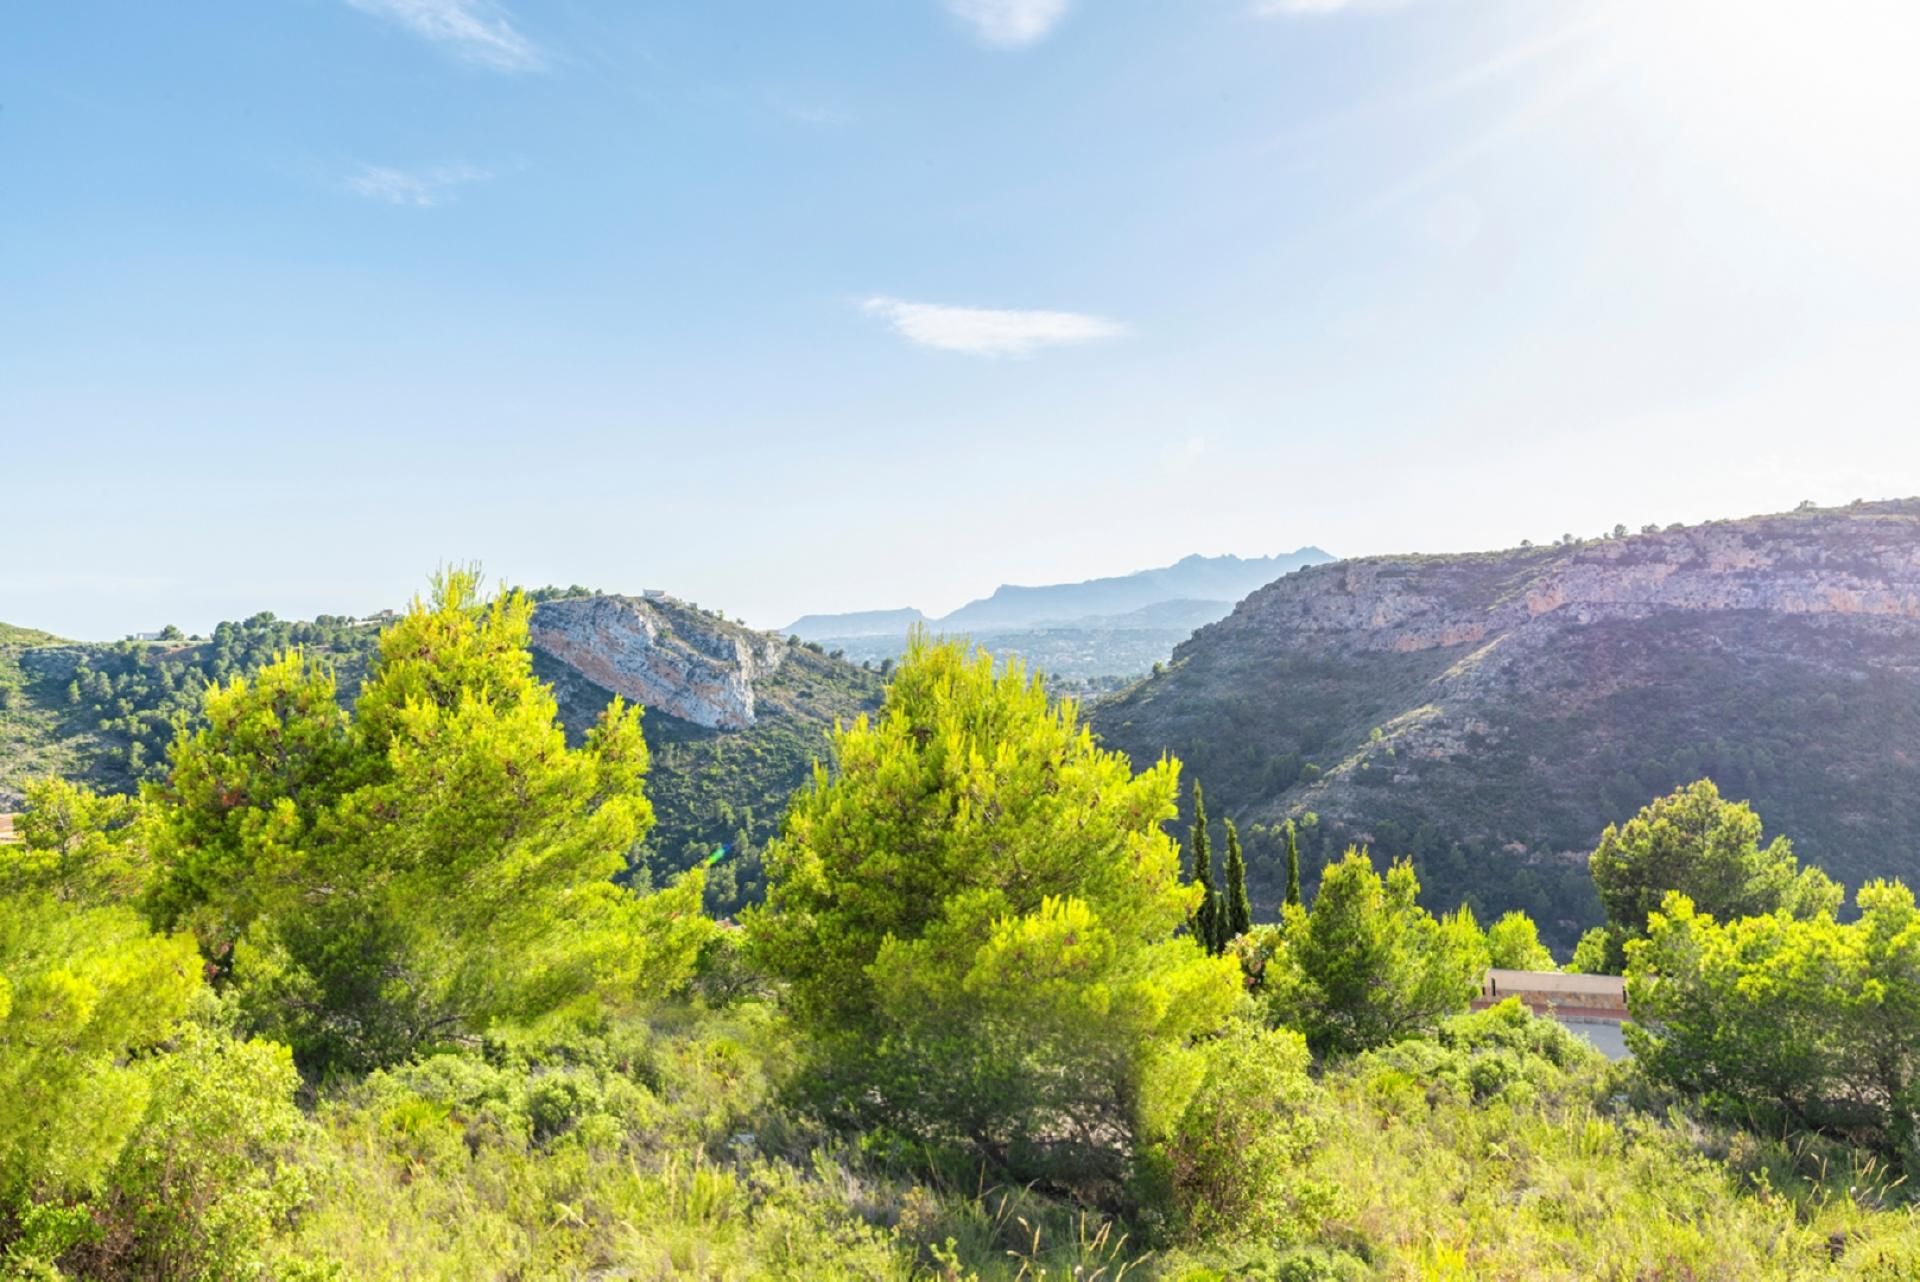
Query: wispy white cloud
x=420 y=188
x=987 y=331
x=1010 y=23
x=479 y=31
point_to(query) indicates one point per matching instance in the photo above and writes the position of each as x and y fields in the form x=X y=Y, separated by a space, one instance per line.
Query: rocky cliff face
x=736 y=721
x=1491 y=713
x=661 y=653
x=1858 y=562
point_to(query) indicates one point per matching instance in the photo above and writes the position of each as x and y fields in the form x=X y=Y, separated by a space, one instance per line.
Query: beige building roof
x=1553 y=983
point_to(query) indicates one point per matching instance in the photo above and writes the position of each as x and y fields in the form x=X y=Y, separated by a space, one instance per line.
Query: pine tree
x=1024 y=989
x=1293 y=864
x=1206 y=918
x=452 y=784
x=1239 y=909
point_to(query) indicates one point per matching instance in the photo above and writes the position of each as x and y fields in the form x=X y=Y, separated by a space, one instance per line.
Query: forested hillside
x=1489 y=714
x=105 y=714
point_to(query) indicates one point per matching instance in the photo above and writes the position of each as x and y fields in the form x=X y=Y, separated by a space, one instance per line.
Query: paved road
x=1603 y=1033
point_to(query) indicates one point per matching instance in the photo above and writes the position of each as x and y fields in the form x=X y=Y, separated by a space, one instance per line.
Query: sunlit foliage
x=975 y=913
x=373 y=886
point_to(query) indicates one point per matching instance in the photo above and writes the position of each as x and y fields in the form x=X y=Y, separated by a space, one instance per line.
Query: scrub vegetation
x=360 y=988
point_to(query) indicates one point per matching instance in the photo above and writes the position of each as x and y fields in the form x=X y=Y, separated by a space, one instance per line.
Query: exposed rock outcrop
x=1853 y=562
x=661 y=653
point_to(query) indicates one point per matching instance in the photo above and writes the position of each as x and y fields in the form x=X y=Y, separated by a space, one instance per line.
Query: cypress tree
x=1239 y=909
x=1293 y=865
x=1205 y=918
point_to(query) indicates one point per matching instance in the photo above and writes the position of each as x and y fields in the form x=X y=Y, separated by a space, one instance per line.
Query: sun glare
x=1840 y=73
x=1810 y=111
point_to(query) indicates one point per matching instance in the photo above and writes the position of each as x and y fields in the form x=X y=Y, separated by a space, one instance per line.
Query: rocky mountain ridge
x=1856 y=564
x=1490 y=713
x=1223 y=579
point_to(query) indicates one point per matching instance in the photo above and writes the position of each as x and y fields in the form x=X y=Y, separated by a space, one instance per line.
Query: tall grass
x=659 y=1150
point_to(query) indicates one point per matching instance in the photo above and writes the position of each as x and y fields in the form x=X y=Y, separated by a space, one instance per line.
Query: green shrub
x=82 y=990
x=1811 y=1022
x=212 y=1174
x=1368 y=965
x=1231 y=1161
x=1503 y=1051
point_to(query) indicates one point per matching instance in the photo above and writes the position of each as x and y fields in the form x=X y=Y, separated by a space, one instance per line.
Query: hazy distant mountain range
x=859 y=623
x=1110 y=627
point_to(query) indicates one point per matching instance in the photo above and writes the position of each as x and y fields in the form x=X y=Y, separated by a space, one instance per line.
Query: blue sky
x=857 y=303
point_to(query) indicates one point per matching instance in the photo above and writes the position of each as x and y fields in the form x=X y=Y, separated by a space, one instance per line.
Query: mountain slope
x=103 y=712
x=1491 y=713
x=11 y=634
x=1078 y=656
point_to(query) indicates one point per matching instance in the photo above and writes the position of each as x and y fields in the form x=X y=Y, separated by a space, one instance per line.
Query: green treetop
x=1513 y=943
x=1707 y=848
x=1368 y=965
x=1238 y=917
x=975 y=912
x=1293 y=865
x=440 y=861
x=79 y=846
x=1206 y=917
